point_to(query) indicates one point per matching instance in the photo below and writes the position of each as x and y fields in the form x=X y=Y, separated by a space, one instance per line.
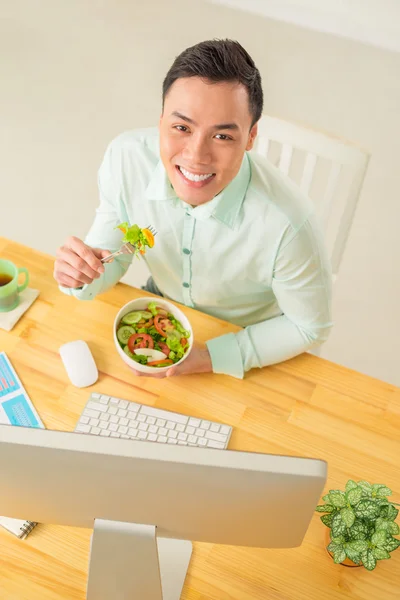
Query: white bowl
x=141 y=304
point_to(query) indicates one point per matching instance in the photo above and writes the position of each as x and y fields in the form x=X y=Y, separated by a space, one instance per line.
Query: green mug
x=9 y=286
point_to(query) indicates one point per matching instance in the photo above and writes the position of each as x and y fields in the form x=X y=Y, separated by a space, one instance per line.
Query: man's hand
x=78 y=263
x=198 y=361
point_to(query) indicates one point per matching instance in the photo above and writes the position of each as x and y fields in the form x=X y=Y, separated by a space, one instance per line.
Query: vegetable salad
x=140 y=238
x=153 y=337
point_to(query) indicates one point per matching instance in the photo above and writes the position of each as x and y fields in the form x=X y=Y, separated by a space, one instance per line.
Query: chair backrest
x=329 y=170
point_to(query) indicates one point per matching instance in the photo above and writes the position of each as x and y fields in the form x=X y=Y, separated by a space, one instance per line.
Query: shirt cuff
x=225 y=355
x=86 y=292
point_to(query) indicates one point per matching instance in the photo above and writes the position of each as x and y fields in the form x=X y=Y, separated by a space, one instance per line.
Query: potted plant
x=361 y=524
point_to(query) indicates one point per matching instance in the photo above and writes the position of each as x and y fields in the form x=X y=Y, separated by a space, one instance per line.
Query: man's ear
x=252 y=137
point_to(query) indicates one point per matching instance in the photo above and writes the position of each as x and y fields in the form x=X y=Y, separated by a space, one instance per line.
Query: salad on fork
x=134 y=241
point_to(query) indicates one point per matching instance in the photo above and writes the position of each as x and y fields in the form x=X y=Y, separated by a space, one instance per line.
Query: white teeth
x=193 y=177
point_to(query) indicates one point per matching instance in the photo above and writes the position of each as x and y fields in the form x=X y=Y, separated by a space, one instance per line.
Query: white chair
x=330 y=171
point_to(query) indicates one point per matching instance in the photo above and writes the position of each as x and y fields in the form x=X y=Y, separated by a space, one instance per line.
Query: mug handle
x=25 y=272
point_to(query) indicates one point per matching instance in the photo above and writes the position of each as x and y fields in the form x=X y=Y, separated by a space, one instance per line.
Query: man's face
x=204 y=132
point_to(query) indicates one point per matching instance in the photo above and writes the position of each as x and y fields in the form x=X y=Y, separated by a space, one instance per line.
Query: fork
x=126 y=248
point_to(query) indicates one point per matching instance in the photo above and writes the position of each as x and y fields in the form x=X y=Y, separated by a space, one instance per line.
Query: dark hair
x=216 y=61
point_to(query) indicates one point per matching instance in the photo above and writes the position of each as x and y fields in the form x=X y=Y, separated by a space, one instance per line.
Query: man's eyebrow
x=181 y=116
x=226 y=126
x=231 y=126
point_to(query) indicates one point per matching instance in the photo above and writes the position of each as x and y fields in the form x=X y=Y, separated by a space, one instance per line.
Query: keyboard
x=114 y=417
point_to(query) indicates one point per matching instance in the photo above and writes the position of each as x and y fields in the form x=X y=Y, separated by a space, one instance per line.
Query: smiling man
x=236 y=239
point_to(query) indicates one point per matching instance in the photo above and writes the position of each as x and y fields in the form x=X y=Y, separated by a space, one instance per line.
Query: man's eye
x=223 y=137
x=181 y=128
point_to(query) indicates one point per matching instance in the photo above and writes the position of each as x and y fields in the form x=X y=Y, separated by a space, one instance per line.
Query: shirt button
x=186 y=285
x=186 y=251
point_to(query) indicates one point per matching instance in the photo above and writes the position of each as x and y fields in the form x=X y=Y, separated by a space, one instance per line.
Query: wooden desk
x=304 y=407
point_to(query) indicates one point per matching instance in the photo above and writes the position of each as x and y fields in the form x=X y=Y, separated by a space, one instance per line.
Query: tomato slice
x=184 y=341
x=147 y=324
x=162 y=324
x=160 y=363
x=140 y=340
x=164 y=348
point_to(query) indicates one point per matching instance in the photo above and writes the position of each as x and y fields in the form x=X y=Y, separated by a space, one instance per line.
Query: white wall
x=73 y=75
x=375 y=22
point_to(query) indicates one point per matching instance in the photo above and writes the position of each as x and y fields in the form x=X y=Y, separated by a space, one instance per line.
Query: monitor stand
x=127 y=560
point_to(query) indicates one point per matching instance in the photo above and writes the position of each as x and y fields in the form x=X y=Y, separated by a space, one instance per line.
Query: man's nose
x=197 y=150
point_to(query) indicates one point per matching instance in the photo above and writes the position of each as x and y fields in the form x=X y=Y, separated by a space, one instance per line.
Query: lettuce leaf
x=140 y=358
x=152 y=307
x=133 y=234
x=177 y=324
x=176 y=347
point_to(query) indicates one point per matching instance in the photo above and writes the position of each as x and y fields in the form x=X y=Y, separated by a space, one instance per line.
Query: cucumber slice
x=124 y=333
x=128 y=352
x=174 y=335
x=135 y=316
x=132 y=317
x=146 y=314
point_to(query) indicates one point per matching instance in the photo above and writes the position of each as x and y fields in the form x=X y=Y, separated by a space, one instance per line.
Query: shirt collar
x=224 y=207
x=159 y=187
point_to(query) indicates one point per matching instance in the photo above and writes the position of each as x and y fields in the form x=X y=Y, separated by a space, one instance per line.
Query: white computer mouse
x=79 y=363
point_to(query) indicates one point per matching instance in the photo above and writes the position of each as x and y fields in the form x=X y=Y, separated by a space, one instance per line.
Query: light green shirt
x=253 y=255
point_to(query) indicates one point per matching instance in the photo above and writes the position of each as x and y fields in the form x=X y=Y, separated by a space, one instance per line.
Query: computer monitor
x=146 y=501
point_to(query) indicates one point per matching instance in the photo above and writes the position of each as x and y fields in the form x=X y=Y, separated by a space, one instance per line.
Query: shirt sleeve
x=302 y=284
x=102 y=233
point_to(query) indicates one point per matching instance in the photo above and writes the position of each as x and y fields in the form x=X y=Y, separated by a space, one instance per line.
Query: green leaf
x=351 y=485
x=326 y=498
x=358 y=531
x=338 y=526
x=383 y=492
x=327 y=520
x=382 y=503
x=328 y=508
x=379 y=538
x=377 y=486
x=382 y=523
x=348 y=516
x=358 y=546
x=389 y=512
x=366 y=509
x=339 y=555
x=369 y=560
x=393 y=528
x=340 y=539
x=380 y=490
x=354 y=496
x=380 y=553
x=337 y=498
x=352 y=555
x=391 y=544
x=132 y=233
x=388 y=525
x=333 y=547
x=366 y=487
x=140 y=358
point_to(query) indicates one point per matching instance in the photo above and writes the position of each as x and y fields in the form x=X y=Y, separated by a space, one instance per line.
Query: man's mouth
x=195 y=178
